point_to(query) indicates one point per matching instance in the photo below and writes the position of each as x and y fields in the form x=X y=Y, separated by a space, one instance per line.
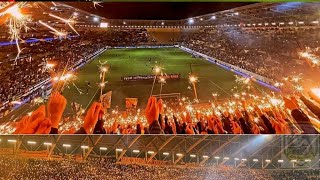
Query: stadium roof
x=257 y=14
x=263 y=13
x=206 y=147
x=154 y=10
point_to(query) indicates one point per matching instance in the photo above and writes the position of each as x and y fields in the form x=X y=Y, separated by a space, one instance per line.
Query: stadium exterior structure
x=257 y=152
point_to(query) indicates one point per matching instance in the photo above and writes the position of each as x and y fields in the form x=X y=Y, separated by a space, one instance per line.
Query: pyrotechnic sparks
x=278 y=84
x=156 y=70
x=54 y=31
x=295 y=79
x=215 y=95
x=275 y=101
x=311 y=57
x=193 y=79
x=298 y=88
x=16 y=21
x=67 y=21
x=96 y=3
x=162 y=80
x=102 y=84
x=38 y=100
x=103 y=71
x=243 y=81
x=48 y=66
x=236 y=95
x=63 y=80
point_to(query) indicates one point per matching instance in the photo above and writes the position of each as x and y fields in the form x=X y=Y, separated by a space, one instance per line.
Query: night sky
x=156 y=11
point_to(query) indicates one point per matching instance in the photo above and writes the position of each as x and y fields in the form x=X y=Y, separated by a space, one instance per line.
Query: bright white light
x=103 y=148
x=290 y=23
x=273 y=23
x=282 y=23
x=315 y=22
x=293 y=160
x=307 y=160
x=119 y=150
x=236 y=159
x=47 y=143
x=280 y=161
x=31 y=142
x=244 y=159
x=66 y=145
x=84 y=147
x=201 y=19
x=192 y=155
x=162 y=23
x=165 y=153
x=217 y=157
x=205 y=156
x=255 y=160
x=124 y=23
x=190 y=21
x=179 y=154
x=96 y=19
x=236 y=13
x=135 y=151
x=193 y=78
x=150 y=152
x=226 y=158
x=12 y=140
x=104 y=25
x=75 y=14
x=213 y=17
x=268 y=160
x=300 y=22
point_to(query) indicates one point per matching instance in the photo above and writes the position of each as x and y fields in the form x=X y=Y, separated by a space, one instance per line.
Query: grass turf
x=127 y=62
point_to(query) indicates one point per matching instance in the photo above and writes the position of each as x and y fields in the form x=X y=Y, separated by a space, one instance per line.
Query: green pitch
x=128 y=62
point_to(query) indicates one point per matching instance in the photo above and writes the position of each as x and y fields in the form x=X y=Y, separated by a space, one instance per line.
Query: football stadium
x=160 y=157
x=248 y=69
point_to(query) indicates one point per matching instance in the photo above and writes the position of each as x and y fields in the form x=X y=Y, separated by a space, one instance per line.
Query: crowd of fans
x=279 y=116
x=18 y=76
x=268 y=52
x=258 y=115
x=27 y=168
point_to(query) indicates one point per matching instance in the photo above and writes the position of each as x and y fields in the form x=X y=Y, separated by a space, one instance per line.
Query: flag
x=131 y=103
x=76 y=107
x=106 y=100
